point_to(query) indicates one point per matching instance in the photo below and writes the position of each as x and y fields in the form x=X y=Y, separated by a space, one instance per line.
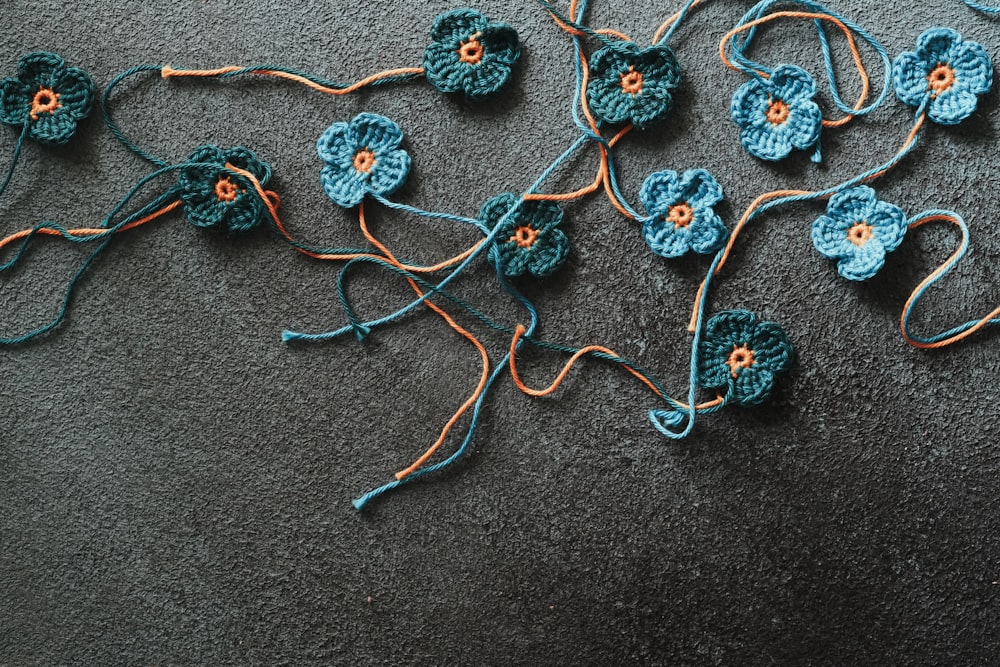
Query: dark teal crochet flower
x=214 y=196
x=858 y=230
x=530 y=240
x=469 y=54
x=945 y=71
x=629 y=84
x=742 y=356
x=362 y=156
x=46 y=97
x=681 y=215
x=778 y=114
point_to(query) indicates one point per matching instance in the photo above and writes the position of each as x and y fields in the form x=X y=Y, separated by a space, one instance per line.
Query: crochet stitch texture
x=214 y=196
x=470 y=54
x=529 y=240
x=47 y=97
x=632 y=84
x=743 y=356
x=362 y=156
x=945 y=72
x=777 y=114
x=681 y=215
x=858 y=230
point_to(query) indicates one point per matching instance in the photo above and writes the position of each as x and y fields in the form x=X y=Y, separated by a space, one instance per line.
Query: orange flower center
x=364 y=160
x=777 y=112
x=632 y=82
x=471 y=52
x=681 y=215
x=524 y=236
x=226 y=190
x=940 y=79
x=740 y=357
x=46 y=101
x=859 y=233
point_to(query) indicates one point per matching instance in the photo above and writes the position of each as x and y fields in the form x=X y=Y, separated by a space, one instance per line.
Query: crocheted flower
x=681 y=213
x=629 y=84
x=47 y=97
x=362 y=156
x=214 y=196
x=743 y=356
x=529 y=241
x=470 y=54
x=945 y=70
x=858 y=230
x=777 y=114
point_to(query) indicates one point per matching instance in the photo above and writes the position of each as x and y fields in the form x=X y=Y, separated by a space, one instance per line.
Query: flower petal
x=753 y=386
x=649 y=106
x=852 y=205
x=714 y=372
x=934 y=45
x=973 y=68
x=389 y=171
x=952 y=106
x=771 y=348
x=608 y=101
x=375 y=133
x=500 y=43
x=345 y=188
x=209 y=154
x=548 y=253
x=700 y=189
x=766 y=141
x=53 y=128
x=659 y=64
x=40 y=69
x=888 y=225
x=76 y=91
x=749 y=104
x=202 y=209
x=495 y=208
x=541 y=215
x=613 y=60
x=15 y=103
x=728 y=328
x=665 y=238
x=829 y=237
x=792 y=84
x=458 y=24
x=864 y=263
x=660 y=191
x=334 y=147
x=707 y=231
x=909 y=79
x=805 y=120
x=243 y=214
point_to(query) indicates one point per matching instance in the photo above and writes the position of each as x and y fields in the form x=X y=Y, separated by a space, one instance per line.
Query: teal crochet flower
x=529 y=240
x=46 y=97
x=214 y=196
x=778 y=114
x=629 y=84
x=858 y=230
x=742 y=356
x=470 y=54
x=946 y=72
x=362 y=156
x=681 y=215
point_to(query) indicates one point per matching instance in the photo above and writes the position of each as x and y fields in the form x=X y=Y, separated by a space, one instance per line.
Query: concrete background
x=175 y=481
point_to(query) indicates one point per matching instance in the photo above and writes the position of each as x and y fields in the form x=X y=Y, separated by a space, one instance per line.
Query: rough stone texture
x=175 y=481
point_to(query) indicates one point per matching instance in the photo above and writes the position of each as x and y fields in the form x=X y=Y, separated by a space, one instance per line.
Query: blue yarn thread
x=980 y=7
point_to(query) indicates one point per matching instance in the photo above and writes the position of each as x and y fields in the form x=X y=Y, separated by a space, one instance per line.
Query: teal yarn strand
x=14 y=158
x=113 y=126
x=980 y=7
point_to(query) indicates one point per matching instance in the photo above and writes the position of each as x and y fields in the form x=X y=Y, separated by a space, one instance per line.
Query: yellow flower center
x=471 y=52
x=524 y=236
x=632 y=82
x=777 y=112
x=859 y=233
x=226 y=190
x=940 y=79
x=681 y=215
x=364 y=160
x=740 y=357
x=46 y=100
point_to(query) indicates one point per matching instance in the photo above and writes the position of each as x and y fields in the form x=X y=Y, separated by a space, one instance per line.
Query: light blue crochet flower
x=362 y=156
x=858 y=230
x=947 y=71
x=778 y=114
x=681 y=215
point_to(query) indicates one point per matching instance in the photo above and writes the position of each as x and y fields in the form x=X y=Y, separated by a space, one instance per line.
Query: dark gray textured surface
x=175 y=481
